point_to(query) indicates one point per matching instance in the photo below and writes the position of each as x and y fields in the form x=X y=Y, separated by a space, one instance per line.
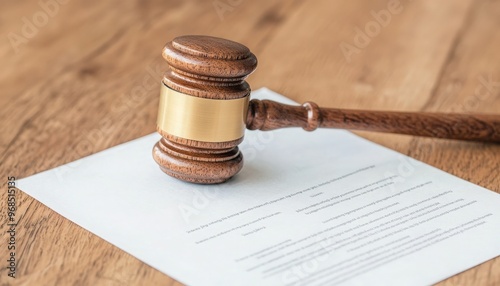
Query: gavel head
x=203 y=108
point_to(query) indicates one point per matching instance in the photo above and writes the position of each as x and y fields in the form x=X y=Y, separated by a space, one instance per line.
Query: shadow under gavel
x=205 y=107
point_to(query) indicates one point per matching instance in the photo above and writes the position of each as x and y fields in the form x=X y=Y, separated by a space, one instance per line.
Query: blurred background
x=95 y=59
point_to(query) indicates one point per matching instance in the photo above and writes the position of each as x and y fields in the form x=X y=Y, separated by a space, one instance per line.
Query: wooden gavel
x=205 y=107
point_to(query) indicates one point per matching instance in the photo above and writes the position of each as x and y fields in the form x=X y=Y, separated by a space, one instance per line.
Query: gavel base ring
x=197 y=165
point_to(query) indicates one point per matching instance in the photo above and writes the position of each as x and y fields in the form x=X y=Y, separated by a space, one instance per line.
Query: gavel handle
x=269 y=115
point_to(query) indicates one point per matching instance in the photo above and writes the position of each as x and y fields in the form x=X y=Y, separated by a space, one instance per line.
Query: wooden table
x=79 y=77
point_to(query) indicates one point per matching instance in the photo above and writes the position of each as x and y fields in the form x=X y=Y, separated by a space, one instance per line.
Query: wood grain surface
x=86 y=77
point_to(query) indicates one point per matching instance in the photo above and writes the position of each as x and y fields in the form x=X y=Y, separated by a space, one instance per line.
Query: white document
x=319 y=208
